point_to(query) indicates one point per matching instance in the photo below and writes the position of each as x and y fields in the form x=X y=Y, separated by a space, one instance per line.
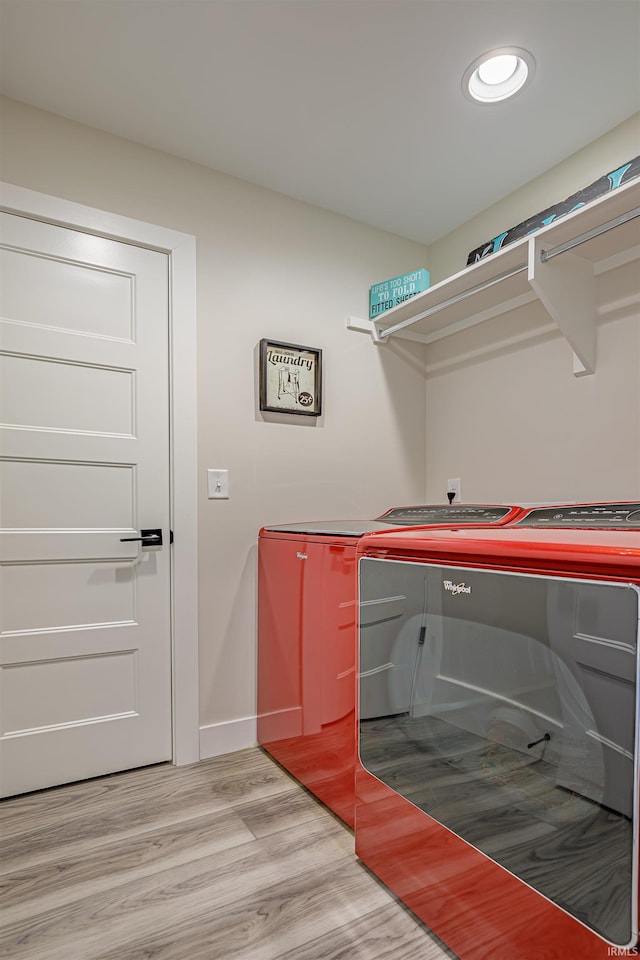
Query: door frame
x=181 y=251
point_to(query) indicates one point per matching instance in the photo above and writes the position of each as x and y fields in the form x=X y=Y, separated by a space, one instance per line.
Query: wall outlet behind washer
x=455 y=487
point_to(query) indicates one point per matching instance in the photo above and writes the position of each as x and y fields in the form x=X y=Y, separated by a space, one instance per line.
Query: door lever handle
x=148 y=538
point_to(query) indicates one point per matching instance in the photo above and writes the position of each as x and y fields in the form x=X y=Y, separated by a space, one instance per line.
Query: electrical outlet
x=218 y=484
x=455 y=487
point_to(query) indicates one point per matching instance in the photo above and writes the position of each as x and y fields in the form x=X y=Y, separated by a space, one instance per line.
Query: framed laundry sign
x=290 y=378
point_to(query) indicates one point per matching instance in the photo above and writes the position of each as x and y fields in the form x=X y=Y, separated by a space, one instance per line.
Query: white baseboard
x=219 y=738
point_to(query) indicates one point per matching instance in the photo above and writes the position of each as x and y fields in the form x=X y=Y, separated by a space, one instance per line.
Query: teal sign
x=390 y=293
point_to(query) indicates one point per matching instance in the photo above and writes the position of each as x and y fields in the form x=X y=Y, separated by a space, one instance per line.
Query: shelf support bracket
x=366 y=326
x=566 y=288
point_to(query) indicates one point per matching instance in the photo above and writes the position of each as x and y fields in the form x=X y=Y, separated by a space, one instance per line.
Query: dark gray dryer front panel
x=504 y=706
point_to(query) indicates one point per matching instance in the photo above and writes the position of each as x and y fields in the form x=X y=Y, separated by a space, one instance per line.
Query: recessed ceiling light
x=498 y=75
x=497 y=69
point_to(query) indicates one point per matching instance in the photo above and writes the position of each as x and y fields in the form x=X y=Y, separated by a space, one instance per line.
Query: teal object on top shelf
x=390 y=293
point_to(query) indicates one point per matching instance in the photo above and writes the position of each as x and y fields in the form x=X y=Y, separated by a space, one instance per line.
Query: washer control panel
x=595 y=516
x=449 y=514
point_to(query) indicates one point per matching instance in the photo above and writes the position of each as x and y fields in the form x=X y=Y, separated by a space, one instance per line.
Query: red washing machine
x=497 y=775
x=307 y=640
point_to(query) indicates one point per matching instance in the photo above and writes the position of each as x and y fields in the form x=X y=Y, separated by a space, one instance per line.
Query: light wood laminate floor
x=228 y=859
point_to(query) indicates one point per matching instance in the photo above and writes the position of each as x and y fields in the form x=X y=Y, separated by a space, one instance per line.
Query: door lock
x=148 y=538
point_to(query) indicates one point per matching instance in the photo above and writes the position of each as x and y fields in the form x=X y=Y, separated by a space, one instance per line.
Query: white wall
x=267 y=266
x=513 y=422
x=449 y=254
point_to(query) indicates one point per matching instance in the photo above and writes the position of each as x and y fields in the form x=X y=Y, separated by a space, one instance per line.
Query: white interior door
x=85 y=652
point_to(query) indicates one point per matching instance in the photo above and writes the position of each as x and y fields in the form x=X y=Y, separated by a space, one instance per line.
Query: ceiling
x=353 y=105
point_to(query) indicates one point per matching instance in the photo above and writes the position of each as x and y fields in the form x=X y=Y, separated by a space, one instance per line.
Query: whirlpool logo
x=456 y=588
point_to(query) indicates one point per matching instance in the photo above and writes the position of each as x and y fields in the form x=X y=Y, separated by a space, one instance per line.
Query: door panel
x=44 y=394
x=99 y=686
x=40 y=495
x=85 y=678
x=71 y=595
x=69 y=296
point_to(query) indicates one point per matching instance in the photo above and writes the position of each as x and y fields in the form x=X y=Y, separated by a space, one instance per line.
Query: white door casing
x=53 y=449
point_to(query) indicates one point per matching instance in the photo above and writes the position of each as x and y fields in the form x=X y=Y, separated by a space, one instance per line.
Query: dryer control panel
x=589 y=516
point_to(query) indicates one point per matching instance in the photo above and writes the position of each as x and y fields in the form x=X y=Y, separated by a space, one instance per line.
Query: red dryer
x=307 y=640
x=497 y=774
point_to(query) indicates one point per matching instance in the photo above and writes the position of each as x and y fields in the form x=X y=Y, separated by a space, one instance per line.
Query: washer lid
x=332 y=528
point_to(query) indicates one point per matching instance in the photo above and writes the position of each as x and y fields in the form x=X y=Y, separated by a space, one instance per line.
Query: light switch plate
x=218 y=484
